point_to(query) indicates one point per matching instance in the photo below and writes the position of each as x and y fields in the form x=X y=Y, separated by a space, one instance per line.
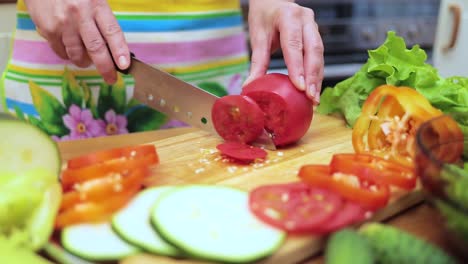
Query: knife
x=178 y=99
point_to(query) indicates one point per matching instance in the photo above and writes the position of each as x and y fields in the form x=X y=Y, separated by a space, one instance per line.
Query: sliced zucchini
x=96 y=242
x=133 y=224
x=58 y=254
x=214 y=223
x=24 y=146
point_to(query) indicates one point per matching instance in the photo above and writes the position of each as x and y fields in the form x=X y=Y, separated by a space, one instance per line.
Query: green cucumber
x=133 y=224
x=347 y=246
x=96 y=242
x=214 y=223
x=391 y=245
x=24 y=146
x=61 y=256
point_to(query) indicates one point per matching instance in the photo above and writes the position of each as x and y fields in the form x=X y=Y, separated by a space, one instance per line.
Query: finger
x=313 y=58
x=260 y=56
x=292 y=46
x=55 y=42
x=96 y=47
x=113 y=35
x=74 y=47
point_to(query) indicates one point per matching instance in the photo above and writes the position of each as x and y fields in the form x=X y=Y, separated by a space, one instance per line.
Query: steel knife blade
x=178 y=99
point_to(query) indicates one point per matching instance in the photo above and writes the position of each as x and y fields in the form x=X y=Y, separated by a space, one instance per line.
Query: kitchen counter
x=418 y=220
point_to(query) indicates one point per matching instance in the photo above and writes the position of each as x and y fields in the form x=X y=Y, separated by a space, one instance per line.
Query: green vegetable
x=455 y=220
x=96 y=242
x=11 y=254
x=456 y=183
x=392 y=63
x=133 y=224
x=347 y=246
x=392 y=245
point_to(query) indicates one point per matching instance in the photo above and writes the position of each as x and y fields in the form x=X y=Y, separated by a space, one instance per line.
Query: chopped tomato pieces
x=241 y=152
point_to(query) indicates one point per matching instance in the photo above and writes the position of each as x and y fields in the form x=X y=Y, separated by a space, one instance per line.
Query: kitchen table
x=418 y=219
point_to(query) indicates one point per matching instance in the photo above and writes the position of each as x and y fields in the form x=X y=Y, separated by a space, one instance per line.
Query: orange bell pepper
x=388 y=122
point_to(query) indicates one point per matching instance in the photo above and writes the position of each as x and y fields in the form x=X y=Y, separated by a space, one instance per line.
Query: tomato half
x=130 y=152
x=288 y=111
x=382 y=170
x=237 y=118
x=73 y=176
x=361 y=189
x=294 y=207
x=100 y=189
x=92 y=212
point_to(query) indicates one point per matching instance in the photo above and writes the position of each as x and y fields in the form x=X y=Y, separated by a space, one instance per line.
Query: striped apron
x=199 y=41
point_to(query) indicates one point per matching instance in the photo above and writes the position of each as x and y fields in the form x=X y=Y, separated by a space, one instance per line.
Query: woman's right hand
x=78 y=30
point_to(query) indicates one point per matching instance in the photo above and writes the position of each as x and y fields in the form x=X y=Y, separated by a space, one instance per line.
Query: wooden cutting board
x=191 y=158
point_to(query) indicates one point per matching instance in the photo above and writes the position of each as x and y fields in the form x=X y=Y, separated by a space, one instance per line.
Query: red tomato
x=237 y=118
x=288 y=111
x=350 y=213
x=382 y=170
x=361 y=189
x=130 y=152
x=241 y=152
x=294 y=207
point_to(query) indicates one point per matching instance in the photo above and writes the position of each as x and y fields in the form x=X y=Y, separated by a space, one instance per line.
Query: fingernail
x=123 y=62
x=312 y=90
x=302 y=83
x=317 y=96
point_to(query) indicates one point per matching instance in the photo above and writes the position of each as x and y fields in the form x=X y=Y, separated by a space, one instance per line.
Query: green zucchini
x=133 y=224
x=96 y=242
x=392 y=245
x=214 y=223
x=348 y=247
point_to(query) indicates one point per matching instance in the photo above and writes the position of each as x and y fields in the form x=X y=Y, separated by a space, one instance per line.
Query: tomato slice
x=92 y=212
x=351 y=213
x=237 y=118
x=294 y=207
x=241 y=152
x=109 y=154
x=371 y=166
x=99 y=189
x=361 y=189
x=99 y=170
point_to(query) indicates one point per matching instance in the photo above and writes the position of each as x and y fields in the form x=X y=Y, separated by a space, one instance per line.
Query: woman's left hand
x=283 y=23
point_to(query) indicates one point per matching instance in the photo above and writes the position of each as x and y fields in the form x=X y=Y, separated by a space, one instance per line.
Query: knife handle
x=126 y=71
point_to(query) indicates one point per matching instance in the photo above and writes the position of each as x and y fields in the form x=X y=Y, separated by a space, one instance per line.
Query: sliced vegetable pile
x=193 y=221
x=97 y=185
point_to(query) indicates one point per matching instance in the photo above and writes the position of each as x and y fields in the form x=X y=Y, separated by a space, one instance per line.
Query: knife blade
x=178 y=99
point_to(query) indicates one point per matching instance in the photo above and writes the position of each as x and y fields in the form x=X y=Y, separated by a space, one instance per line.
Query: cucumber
x=214 y=223
x=133 y=224
x=347 y=246
x=24 y=146
x=392 y=245
x=96 y=242
x=58 y=254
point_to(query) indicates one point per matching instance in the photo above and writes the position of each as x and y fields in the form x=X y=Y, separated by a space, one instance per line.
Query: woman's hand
x=79 y=30
x=282 y=23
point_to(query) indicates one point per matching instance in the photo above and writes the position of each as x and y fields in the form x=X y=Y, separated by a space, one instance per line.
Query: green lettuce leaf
x=393 y=63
